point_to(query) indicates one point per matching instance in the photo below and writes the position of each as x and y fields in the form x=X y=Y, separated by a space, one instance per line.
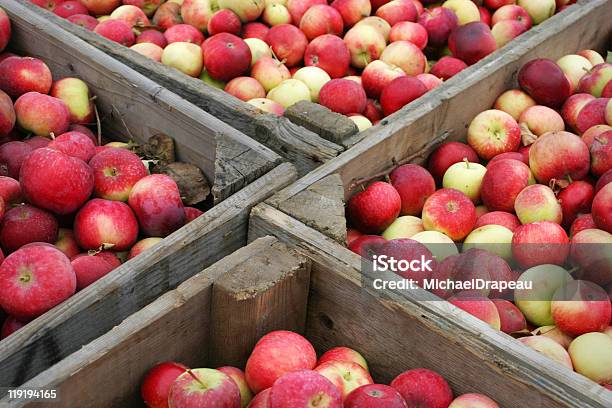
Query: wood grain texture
x=95 y=310
x=415 y=330
x=447 y=111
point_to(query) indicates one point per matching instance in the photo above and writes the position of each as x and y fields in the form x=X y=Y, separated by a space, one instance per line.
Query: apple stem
x=196 y=378
x=467 y=162
x=52 y=135
x=99 y=126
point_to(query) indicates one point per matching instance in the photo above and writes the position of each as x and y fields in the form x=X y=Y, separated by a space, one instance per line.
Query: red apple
x=132 y=15
x=502 y=218
x=156 y=385
x=509 y=155
x=397 y=11
x=321 y=19
x=414 y=185
x=7 y=114
x=409 y=250
x=67 y=243
x=405 y=55
x=559 y=155
x=582 y=222
x=512 y=12
x=25 y=224
x=409 y=31
x=493 y=132
x=575 y=199
x=472 y=42
x=12 y=156
x=400 y=92
x=255 y=30
x=169 y=14
x=514 y=102
x=42 y=114
x=375 y=396
x=581 y=307
x=245 y=88
x=342 y=354
x=537 y=203
x=365 y=43
x=183 y=33
x=10 y=326
x=451 y=212
x=439 y=23
x=275 y=355
x=74 y=144
x=545 y=82
x=101 y=7
x=236 y=374
x=261 y=400
x=345 y=375
x=590 y=251
x=377 y=75
x=269 y=72
x=447 y=67
x=288 y=43
x=34 y=280
x=115 y=173
x=421 y=387
x=503 y=181
x=5 y=30
x=142 y=245
x=352 y=10
x=329 y=53
x=375 y=208
x=224 y=21
x=540 y=243
x=602 y=208
x=366 y=245
x=298 y=8
x=152 y=36
x=572 y=107
x=478 y=306
x=592 y=114
x=20 y=75
x=89 y=268
x=204 y=387
x=448 y=154
x=116 y=30
x=343 y=96
x=594 y=81
x=10 y=190
x=603 y=180
x=539 y=120
x=226 y=56
x=511 y=318
x=105 y=223
x=304 y=389
x=55 y=181
x=589 y=136
x=430 y=81
x=473 y=401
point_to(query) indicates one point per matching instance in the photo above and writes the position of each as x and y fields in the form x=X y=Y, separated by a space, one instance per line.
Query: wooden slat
x=415 y=330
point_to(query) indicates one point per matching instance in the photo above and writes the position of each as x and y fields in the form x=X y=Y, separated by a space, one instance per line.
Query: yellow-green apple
x=591 y=354
x=601 y=154
x=115 y=173
x=298 y=8
x=365 y=44
x=397 y=11
x=403 y=227
x=472 y=42
x=204 y=387
x=608 y=331
x=224 y=21
x=132 y=15
x=572 y=107
x=580 y=307
x=304 y=388
x=507 y=30
x=590 y=251
x=549 y=348
x=259 y=49
x=314 y=78
x=361 y=122
x=5 y=30
x=592 y=114
x=89 y=268
x=493 y=238
x=321 y=19
x=352 y=10
x=276 y=354
x=42 y=114
x=430 y=81
x=505 y=219
x=105 y=223
x=19 y=75
x=268 y=105
x=473 y=401
x=75 y=94
x=288 y=43
x=379 y=24
x=330 y=53
x=12 y=156
x=559 y=155
x=537 y=203
x=343 y=96
x=35 y=279
x=116 y=30
x=377 y=75
x=539 y=10
x=343 y=354
x=149 y=50
x=226 y=56
x=439 y=22
x=156 y=201
x=157 y=382
x=25 y=224
x=466 y=10
x=236 y=374
x=152 y=36
x=400 y=92
x=535 y=303
x=414 y=185
x=247 y=11
x=514 y=102
x=289 y=92
x=74 y=144
x=582 y=222
x=602 y=208
x=440 y=245
x=446 y=155
x=183 y=33
x=255 y=30
x=196 y=13
x=545 y=82
x=575 y=67
x=276 y=14
x=270 y=73
x=345 y=375
x=552 y=332
x=375 y=395
x=421 y=387
x=538 y=243
x=375 y=208
x=465 y=177
x=245 y=88
x=7 y=114
x=169 y=14
x=409 y=31
x=101 y=7
x=186 y=57
x=405 y=55
x=594 y=57
x=142 y=245
x=511 y=318
x=493 y=132
x=451 y=212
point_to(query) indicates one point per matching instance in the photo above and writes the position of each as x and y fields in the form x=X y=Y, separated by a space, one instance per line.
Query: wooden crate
x=308 y=149
x=216 y=317
x=242 y=173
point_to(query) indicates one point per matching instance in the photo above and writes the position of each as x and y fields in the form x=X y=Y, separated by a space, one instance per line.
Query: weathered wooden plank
x=419 y=331
x=329 y=125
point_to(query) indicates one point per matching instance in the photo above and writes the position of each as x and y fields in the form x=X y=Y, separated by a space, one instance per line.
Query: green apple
x=492 y=238
x=290 y=92
x=208 y=80
x=465 y=177
x=314 y=78
x=247 y=10
x=403 y=227
x=466 y=10
x=259 y=49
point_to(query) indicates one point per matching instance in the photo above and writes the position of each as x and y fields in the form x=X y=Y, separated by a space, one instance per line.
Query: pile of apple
x=283 y=372
x=360 y=58
x=539 y=211
x=70 y=210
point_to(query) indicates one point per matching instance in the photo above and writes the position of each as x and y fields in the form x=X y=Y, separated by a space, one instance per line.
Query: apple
x=261 y=400
x=20 y=75
x=580 y=307
x=575 y=67
x=255 y=30
x=465 y=177
x=601 y=154
x=589 y=251
x=400 y=92
x=304 y=388
x=101 y=7
x=493 y=238
x=365 y=45
x=156 y=385
x=67 y=243
x=509 y=155
x=397 y=11
x=447 y=67
x=7 y=114
x=152 y=36
x=10 y=326
x=344 y=375
x=343 y=96
x=225 y=21
x=549 y=348
x=275 y=355
x=343 y=354
x=361 y=122
x=439 y=244
x=430 y=81
x=247 y=11
x=132 y=15
x=226 y=56
x=421 y=387
x=115 y=173
x=116 y=30
x=352 y=10
x=572 y=107
x=321 y=19
x=377 y=75
x=329 y=53
x=41 y=114
x=204 y=387
x=259 y=49
x=514 y=102
x=149 y=50
x=148 y=6
x=446 y=155
x=270 y=73
x=276 y=14
x=608 y=113
x=467 y=12
x=289 y=92
x=373 y=111
x=539 y=10
x=183 y=33
x=473 y=401
x=594 y=57
x=405 y=55
x=603 y=180
x=602 y=208
x=537 y=203
x=559 y=155
x=74 y=144
x=375 y=396
x=414 y=185
x=552 y=332
x=298 y=8
x=511 y=318
x=507 y=30
x=169 y=14
x=267 y=105
x=245 y=88
x=493 y=132
x=591 y=355
x=592 y=114
x=545 y=82
x=451 y=212
x=89 y=268
x=12 y=155
x=381 y=25
x=239 y=378
x=288 y=43
x=409 y=31
x=472 y=42
x=314 y=78
x=5 y=30
x=537 y=243
x=403 y=227
x=366 y=245
x=196 y=13
x=184 y=56
x=142 y=245
x=24 y=224
x=439 y=22
x=502 y=218
x=375 y=208
x=35 y=279
x=582 y=222
x=575 y=199
x=495 y=4
x=539 y=120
